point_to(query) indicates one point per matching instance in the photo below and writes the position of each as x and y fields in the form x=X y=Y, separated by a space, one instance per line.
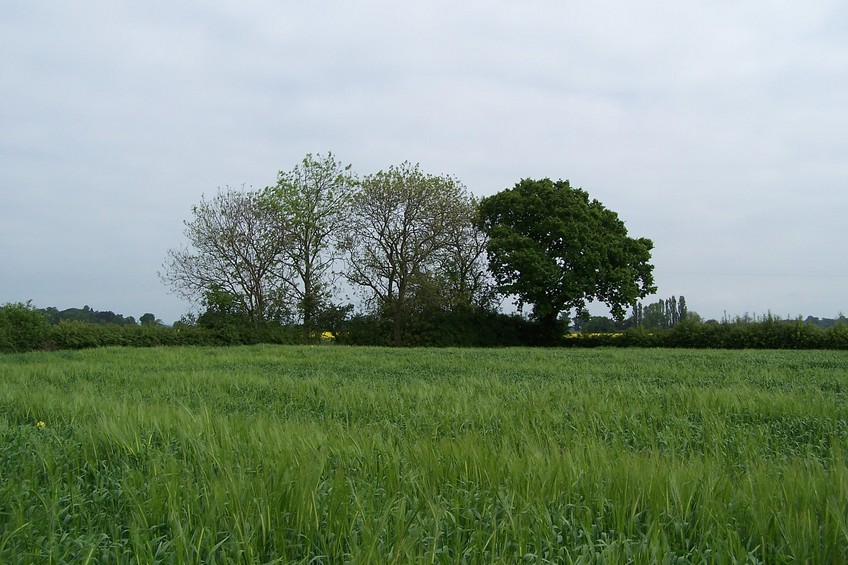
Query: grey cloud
x=718 y=129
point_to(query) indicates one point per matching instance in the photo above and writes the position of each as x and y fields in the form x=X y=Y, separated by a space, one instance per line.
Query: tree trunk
x=550 y=330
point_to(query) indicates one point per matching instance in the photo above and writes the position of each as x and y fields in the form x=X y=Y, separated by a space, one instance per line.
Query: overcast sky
x=717 y=129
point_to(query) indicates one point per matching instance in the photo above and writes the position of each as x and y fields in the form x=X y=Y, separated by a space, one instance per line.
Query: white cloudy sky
x=718 y=129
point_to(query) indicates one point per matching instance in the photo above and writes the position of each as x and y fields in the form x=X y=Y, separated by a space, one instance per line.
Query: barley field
x=330 y=454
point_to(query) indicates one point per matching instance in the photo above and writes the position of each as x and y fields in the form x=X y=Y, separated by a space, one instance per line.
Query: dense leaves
x=554 y=248
x=22 y=327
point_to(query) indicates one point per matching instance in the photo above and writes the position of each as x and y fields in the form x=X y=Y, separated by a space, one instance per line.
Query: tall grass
x=329 y=454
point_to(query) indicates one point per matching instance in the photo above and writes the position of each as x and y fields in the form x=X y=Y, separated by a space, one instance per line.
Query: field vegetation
x=335 y=454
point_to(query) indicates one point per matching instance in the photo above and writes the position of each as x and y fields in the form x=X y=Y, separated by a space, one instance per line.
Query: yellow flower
x=40 y=424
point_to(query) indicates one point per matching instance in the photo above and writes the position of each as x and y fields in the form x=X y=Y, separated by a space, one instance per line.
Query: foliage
x=237 y=247
x=87 y=314
x=596 y=324
x=149 y=319
x=400 y=222
x=770 y=333
x=477 y=327
x=22 y=327
x=826 y=323
x=662 y=314
x=312 y=201
x=462 y=280
x=554 y=248
x=273 y=454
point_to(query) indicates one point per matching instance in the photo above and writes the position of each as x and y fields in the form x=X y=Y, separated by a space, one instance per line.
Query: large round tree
x=553 y=247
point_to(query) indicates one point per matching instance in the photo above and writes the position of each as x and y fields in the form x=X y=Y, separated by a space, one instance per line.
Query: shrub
x=22 y=327
x=837 y=336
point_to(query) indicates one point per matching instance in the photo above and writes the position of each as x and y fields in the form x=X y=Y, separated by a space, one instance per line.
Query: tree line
x=413 y=246
x=89 y=315
x=660 y=315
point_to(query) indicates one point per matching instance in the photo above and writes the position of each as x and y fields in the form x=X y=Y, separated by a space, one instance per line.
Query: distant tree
x=400 y=220
x=662 y=314
x=88 y=315
x=149 y=319
x=655 y=316
x=53 y=315
x=237 y=246
x=311 y=202
x=554 y=248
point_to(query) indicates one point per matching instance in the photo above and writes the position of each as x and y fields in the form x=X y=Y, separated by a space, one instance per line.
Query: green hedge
x=23 y=328
x=768 y=334
x=82 y=335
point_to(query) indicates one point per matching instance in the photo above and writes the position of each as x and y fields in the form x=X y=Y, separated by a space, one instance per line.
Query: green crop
x=329 y=454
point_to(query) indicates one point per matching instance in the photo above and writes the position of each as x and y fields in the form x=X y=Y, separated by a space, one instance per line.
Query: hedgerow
x=23 y=328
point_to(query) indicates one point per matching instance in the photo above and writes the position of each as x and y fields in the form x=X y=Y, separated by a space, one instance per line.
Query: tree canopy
x=237 y=249
x=402 y=219
x=311 y=202
x=417 y=247
x=553 y=247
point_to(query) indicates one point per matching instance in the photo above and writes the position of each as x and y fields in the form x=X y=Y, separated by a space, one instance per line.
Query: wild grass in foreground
x=330 y=454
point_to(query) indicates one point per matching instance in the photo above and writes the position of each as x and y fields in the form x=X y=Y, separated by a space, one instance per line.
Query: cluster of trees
x=88 y=315
x=415 y=246
x=661 y=315
x=826 y=323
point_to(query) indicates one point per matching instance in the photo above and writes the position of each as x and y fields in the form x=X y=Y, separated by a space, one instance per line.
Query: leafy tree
x=655 y=316
x=237 y=247
x=662 y=314
x=311 y=202
x=148 y=319
x=401 y=219
x=222 y=308
x=88 y=315
x=554 y=248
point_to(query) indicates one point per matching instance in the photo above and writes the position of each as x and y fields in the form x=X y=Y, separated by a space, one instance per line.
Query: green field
x=332 y=454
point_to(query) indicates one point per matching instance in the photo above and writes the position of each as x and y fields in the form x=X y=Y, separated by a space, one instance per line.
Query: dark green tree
x=149 y=319
x=663 y=314
x=555 y=248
